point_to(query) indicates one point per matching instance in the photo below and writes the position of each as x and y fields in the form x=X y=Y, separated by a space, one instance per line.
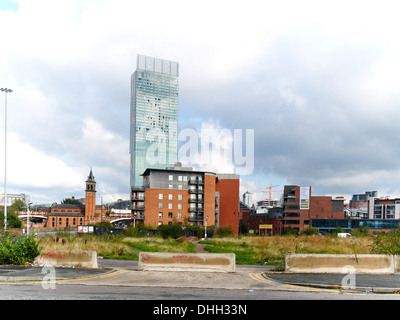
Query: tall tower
x=154 y=116
x=90 y=202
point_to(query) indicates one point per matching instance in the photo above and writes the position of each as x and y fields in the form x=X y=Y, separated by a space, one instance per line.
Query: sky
x=317 y=81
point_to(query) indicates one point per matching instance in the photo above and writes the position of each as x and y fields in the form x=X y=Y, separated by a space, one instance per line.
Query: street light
x=5 y=156
x=27 y=223
x=205 y=229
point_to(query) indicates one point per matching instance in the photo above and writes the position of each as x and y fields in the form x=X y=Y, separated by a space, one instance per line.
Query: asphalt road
x=249 y=283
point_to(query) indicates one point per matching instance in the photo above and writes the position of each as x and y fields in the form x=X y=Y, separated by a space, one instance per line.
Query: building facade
x=154 y=116
x=74 y=215
x=181 y=195
x=300 y=207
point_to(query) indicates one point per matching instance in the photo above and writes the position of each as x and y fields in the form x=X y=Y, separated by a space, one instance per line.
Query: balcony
x=196 y=181
x=195 y=191
x=195 y=209
x=135 y=198
x=139 y=207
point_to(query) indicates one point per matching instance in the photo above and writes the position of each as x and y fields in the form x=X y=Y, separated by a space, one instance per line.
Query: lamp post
x=27 y=224
x=5 y=156
x=205 y=229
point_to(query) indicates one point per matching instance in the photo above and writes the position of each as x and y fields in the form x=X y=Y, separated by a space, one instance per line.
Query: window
x=59 y=220
x=170 y=186
x=74 y=221
x=179 y=197
x=160 y=205
x=180 y=187
x=171 y=177
x=180 y=206
x=179 y=178
x=160 y=215
x=170 y=196
x=169 y=205
x=179 y=215
x=159 y=223
x=184 y=178
x=160 y=196
x=170 y=215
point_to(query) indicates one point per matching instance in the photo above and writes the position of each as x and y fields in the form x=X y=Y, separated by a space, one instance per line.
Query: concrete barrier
x=68 y=259
x=341 y=263
x=168 y=261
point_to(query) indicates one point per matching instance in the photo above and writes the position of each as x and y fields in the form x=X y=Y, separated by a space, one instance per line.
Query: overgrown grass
x=111 y=247
x=248 y=250
x=272 y=250
x=160 y=245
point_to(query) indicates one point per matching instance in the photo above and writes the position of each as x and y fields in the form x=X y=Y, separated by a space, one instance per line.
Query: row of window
x=67 y=221
x=170 y=215
x=170 y=196
x=170 y=206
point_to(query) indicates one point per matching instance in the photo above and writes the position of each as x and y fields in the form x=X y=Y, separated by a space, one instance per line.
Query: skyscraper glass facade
x=154 y=116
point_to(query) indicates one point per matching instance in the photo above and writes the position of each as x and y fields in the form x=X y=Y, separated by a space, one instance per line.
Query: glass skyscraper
x=154 y=116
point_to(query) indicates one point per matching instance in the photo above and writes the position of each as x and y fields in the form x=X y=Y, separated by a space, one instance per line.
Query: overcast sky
x=318 y=81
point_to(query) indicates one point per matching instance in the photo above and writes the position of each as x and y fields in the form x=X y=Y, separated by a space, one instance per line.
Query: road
x=148 y=289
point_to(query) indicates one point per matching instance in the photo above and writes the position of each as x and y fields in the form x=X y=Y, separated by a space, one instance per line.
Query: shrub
x=18 y=250
x=387 y=243
x=171 y=230
x=225 y=231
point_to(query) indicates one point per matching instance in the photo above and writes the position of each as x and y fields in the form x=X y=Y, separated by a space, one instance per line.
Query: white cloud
x=315 y=79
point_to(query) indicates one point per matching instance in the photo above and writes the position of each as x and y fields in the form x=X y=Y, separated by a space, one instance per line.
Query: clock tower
x=90 y=202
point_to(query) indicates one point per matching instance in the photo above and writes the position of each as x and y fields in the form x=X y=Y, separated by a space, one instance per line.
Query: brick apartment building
x=300 y=206
x=182 y=195
x=74 y=215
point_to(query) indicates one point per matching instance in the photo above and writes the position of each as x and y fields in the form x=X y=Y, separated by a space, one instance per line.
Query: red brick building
x=300 y=206
x=74 y=215
x=182 y=195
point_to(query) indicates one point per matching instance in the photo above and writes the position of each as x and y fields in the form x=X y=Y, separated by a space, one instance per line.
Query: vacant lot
x=248 y=250
x=272 y=250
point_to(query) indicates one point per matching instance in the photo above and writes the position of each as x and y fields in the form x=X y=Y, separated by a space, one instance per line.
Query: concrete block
x=168 y=261
x=68 y=259
x=340 y=263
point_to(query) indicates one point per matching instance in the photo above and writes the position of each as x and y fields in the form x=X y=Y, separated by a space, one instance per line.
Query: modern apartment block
x=300 y=207
x=154 y=116
x=384 y=208
x=182 y=195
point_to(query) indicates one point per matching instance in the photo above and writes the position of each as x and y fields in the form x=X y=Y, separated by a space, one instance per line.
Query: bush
x=225 y=231
x=170 y=230
x=387 y=243
x=18 y=250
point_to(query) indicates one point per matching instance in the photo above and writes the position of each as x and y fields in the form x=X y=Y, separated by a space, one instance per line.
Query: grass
x=248 y=249
x=272 y=250
x=160 y=245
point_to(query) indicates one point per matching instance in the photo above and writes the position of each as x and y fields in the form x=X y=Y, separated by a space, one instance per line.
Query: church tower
x=90 y=202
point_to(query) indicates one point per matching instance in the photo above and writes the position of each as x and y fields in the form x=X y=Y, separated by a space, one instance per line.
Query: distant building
x=181 y=195
x=11 y=198
x=154 y=116
x=74 y=215
x=247 y=198
x=361 y=200
x=300 y=207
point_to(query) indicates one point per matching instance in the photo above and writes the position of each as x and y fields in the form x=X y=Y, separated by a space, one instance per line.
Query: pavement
x=124 y=273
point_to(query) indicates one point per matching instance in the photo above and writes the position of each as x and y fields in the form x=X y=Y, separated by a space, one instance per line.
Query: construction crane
x=270 y=191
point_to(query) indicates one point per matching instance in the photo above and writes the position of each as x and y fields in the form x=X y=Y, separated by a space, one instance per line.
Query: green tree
x=70 y=201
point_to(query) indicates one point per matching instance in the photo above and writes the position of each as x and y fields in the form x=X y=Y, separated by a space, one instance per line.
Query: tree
x=70 y=201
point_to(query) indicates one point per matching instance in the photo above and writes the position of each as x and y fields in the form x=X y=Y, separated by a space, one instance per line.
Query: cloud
x=316 y=80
